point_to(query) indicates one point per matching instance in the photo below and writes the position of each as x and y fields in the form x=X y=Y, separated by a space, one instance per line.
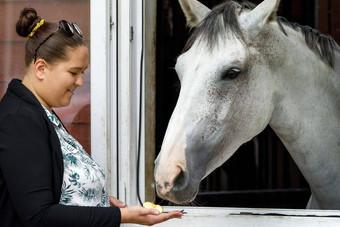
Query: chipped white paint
x=242 y=217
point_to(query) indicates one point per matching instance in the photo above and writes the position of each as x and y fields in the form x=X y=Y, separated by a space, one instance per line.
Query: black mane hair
x=223 y=19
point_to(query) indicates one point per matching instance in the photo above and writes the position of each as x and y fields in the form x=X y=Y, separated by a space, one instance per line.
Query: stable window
x=261 y=173
x=123 y=114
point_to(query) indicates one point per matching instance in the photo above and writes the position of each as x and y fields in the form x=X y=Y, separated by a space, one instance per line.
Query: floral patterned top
x=84 y=180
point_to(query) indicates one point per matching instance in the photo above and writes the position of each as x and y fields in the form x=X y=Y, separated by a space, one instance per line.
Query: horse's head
x=225 y=98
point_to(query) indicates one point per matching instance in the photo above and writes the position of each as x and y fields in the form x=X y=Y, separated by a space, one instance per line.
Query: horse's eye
x=231 y=74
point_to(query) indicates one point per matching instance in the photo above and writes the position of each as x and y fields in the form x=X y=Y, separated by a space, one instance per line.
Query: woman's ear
x=40 y=68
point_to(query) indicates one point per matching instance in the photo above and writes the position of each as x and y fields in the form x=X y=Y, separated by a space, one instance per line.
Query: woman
x=46 y=178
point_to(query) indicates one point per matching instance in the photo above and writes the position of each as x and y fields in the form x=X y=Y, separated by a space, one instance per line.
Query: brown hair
x=54 y=49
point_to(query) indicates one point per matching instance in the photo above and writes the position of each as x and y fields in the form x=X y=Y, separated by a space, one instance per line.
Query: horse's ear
x=194 y=11
x=259 y=16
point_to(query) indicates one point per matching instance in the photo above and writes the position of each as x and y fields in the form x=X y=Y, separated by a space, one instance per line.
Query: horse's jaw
x=181 y=185
x=186 y=159
x=182 y=162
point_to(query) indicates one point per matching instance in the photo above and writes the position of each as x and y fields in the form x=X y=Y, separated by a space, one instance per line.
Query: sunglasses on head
x=69 y=29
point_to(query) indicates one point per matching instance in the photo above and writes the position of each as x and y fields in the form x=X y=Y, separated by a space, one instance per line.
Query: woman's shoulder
x=18 y=101
x=15 y=112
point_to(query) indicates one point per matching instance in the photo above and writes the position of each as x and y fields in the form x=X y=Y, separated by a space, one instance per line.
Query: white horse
x=242 y=69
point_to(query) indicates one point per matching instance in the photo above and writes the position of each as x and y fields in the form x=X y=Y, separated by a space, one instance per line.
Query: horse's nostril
x=170 y=180
x=179 y=182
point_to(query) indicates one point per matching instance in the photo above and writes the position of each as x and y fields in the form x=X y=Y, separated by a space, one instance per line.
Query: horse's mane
x=324 y=45
x=212 y=27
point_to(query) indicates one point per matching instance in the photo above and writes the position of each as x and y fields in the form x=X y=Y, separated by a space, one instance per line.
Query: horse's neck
x=307 y=110
x=307 y=97
x=306 y=116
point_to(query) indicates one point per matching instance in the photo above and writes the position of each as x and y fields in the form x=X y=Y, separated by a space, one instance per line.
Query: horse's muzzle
x=175 y=187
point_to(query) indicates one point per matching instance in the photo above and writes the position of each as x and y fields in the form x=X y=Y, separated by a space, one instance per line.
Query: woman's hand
x=146 y=216
x=114 y=202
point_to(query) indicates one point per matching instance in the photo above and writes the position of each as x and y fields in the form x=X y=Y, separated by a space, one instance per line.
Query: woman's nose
x=79 y=80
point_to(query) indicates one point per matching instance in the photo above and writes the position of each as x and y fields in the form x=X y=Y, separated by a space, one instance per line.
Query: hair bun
x=27 y=21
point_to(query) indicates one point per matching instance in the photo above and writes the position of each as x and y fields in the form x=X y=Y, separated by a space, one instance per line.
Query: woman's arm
x=146 y=216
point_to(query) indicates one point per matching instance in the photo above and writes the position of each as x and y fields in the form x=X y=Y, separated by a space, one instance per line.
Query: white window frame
x=116 y=44
x=115 y=83
x=103 y=91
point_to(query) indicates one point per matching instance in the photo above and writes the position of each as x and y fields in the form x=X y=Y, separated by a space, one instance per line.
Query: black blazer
x=31 y=169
